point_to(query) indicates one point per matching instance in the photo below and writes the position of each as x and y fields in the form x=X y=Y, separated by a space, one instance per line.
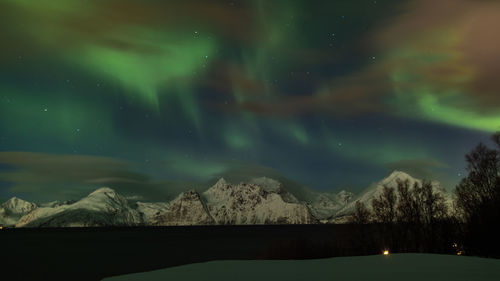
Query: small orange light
x=459 y=253
x=386 y=252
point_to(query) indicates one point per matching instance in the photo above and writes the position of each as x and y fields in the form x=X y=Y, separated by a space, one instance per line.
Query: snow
x=13 y=209
x=407 y=267
x=186 y=209
x=325 y=205
x=18 y=206
x=392 y=182
x=271 y=185
x=149 y=210
x=251 y=204
x=260 y=201
x=101 y=207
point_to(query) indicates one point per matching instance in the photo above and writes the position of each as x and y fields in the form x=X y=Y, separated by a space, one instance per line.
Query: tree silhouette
x=384 y=206
x=418 y=210
x=433 y=204
x=361 y=214
x=478 y=198
x=408 y=209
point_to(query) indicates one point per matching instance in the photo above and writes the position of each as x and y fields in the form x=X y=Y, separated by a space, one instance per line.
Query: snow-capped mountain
x=271 y=185
x=345 y=197
x=13 y=209
x=102 y=207
x=391 y=181
x=260 y=201
x=186 y=209
x=56 y=203
x=325 y=205
x=252 y=204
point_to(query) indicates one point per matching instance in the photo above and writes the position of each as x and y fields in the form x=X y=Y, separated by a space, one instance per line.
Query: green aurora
x=332 y=94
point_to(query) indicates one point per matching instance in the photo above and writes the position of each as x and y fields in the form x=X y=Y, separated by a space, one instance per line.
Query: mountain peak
x=268 y=184
x=18 y=206
x=103 y=190
x=190 y=194
x=396 y=175
x=14 y=200
x=221 y=181
x=221 y=184
x=185 y=209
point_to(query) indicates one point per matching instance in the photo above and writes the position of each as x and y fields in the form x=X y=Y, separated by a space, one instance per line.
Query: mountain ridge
x=261 y=200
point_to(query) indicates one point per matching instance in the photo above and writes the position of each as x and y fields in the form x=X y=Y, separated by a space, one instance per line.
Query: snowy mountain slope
x=186 y=209
x=271 y=185
x=391 y=181
x=56 y=203
x=325 y=205
x=13 y=209
x=251 y=204
x=102 y=207
x=260 y=201
x=149 y=210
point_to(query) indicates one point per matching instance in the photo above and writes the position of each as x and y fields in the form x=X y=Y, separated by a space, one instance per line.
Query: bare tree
x=406 y=209
x=433 y=204
x=478 y=198
x=384 y=206
x=481 y=186
x=361 y=214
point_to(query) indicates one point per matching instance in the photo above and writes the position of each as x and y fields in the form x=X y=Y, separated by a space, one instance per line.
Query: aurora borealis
x=144 y=96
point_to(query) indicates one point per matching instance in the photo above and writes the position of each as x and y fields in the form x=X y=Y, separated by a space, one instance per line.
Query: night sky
x=152 y=97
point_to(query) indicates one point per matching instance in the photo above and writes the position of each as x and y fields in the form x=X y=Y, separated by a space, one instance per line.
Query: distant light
x=459 y=253
x=386 y=252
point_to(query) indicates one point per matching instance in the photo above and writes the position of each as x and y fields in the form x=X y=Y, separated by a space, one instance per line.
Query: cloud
x=419 y=167
x=446 y=52
x=43 y=176
x=425 y=168
x=150 y=49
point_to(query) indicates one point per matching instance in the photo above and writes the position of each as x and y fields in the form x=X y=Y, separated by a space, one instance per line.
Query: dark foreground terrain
x=96 y=253
x=395 y=267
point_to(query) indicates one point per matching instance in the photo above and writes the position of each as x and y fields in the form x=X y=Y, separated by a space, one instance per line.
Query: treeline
x=408 y=219
x=416 y=218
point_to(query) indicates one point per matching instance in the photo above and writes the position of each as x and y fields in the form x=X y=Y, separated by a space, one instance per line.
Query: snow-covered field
x=401 y=267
